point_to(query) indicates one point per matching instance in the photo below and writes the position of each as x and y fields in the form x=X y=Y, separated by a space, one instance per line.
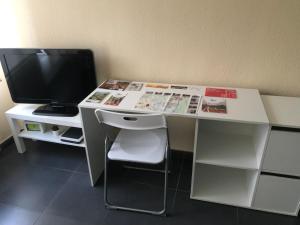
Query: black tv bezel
x=46 y=51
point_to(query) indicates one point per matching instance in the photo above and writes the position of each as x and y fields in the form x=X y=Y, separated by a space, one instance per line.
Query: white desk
x=228 y=148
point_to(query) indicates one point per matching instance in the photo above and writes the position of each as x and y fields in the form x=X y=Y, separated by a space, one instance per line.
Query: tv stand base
x=56 y=110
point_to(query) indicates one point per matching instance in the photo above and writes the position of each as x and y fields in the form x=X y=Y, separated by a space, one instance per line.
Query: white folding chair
x=143 y=138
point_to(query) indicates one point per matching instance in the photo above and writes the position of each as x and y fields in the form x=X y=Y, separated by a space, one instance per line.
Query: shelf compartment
x=47 y=136
x=223 y=185
x=237 y=145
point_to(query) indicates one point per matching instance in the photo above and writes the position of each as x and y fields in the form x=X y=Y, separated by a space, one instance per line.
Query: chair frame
x=109 y=205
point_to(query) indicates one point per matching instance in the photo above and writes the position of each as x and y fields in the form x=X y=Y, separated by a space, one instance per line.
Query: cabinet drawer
x=277 y=194
x=283 y=153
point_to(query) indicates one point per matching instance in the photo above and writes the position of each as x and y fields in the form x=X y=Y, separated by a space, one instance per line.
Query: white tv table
x=228 y=148
x=23 y=112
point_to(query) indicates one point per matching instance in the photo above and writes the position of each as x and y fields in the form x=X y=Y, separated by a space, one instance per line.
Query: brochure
x=97 y=97
x=193 y=106
x=179 y=87
x=194 y=88
x=134 y=86
x=177 y=103
x=114 y=85
x=115 y=99
x=220 y=92
x=214 y=105
x=162 y=86
x=154 y=101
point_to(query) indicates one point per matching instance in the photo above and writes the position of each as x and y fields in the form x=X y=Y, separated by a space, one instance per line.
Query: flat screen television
x=60 y=78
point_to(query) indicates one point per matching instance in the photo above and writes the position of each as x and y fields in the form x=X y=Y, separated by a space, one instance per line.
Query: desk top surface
x=283 y=111
x=247 y=107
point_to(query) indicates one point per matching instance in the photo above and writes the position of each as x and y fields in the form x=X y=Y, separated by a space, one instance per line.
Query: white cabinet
x=279 y=191
x=283 y=152
x=277 y=194
x=227 y=158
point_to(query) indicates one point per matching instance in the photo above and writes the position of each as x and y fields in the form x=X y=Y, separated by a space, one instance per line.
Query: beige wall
x=5 y=104
x=242 y=43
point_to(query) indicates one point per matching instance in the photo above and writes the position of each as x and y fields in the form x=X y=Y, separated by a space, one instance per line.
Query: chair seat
x=146 y=146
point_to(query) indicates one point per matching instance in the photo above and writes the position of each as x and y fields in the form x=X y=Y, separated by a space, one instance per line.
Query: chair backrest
x=131 y=121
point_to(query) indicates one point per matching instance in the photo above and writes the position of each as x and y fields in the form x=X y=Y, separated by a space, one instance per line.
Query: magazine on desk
x=119 y=85
x=214 y=105
x=157 y=85
x=183 y=103
x=134 y=86
x=115 y=99
x=178 y=103
x=154 y=101
x=220 y=92
x=97 y=97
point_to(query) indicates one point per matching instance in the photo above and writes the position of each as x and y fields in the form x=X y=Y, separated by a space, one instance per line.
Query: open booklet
x=154 y=101
x=183 y=103
x=169 y=102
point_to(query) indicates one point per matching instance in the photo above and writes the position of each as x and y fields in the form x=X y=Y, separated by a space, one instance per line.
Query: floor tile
x=249 y=217
x=157 y=178
x=46 y=154
x=28 y=186
x=50 y=185
x=11 y=215
x=83 y=167
x=79 y=201
x=186 y=172
x=142 y=196
x=47 y=219
x=187 y=211
x=138 y=195
x=118 y=217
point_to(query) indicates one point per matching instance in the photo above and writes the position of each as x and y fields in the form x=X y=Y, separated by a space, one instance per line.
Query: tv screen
x=52 y=76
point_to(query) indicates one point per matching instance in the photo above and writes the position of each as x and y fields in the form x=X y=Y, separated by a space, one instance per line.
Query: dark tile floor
x=49 y=185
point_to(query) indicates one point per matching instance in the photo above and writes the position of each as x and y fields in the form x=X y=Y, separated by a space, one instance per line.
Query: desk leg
x=94 y=139
x=15 y=129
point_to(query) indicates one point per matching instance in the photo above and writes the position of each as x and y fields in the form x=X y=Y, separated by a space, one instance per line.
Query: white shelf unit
x=228 y=144
x=227 y=161
x=223 y=185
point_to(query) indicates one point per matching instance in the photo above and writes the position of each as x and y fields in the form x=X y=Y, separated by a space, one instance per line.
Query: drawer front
x=277 y=194
x=283 y=153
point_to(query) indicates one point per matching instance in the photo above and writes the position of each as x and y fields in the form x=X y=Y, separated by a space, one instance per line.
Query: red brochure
x=220 y=92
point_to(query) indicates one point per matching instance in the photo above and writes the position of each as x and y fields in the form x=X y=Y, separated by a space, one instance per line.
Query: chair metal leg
x=105 y=172
x=152 y=212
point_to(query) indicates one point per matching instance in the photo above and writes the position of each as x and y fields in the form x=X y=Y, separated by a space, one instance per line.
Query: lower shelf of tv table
x=47 y=136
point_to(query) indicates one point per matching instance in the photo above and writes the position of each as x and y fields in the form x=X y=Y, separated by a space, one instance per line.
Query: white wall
x=239 y=43
x=5 y=104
